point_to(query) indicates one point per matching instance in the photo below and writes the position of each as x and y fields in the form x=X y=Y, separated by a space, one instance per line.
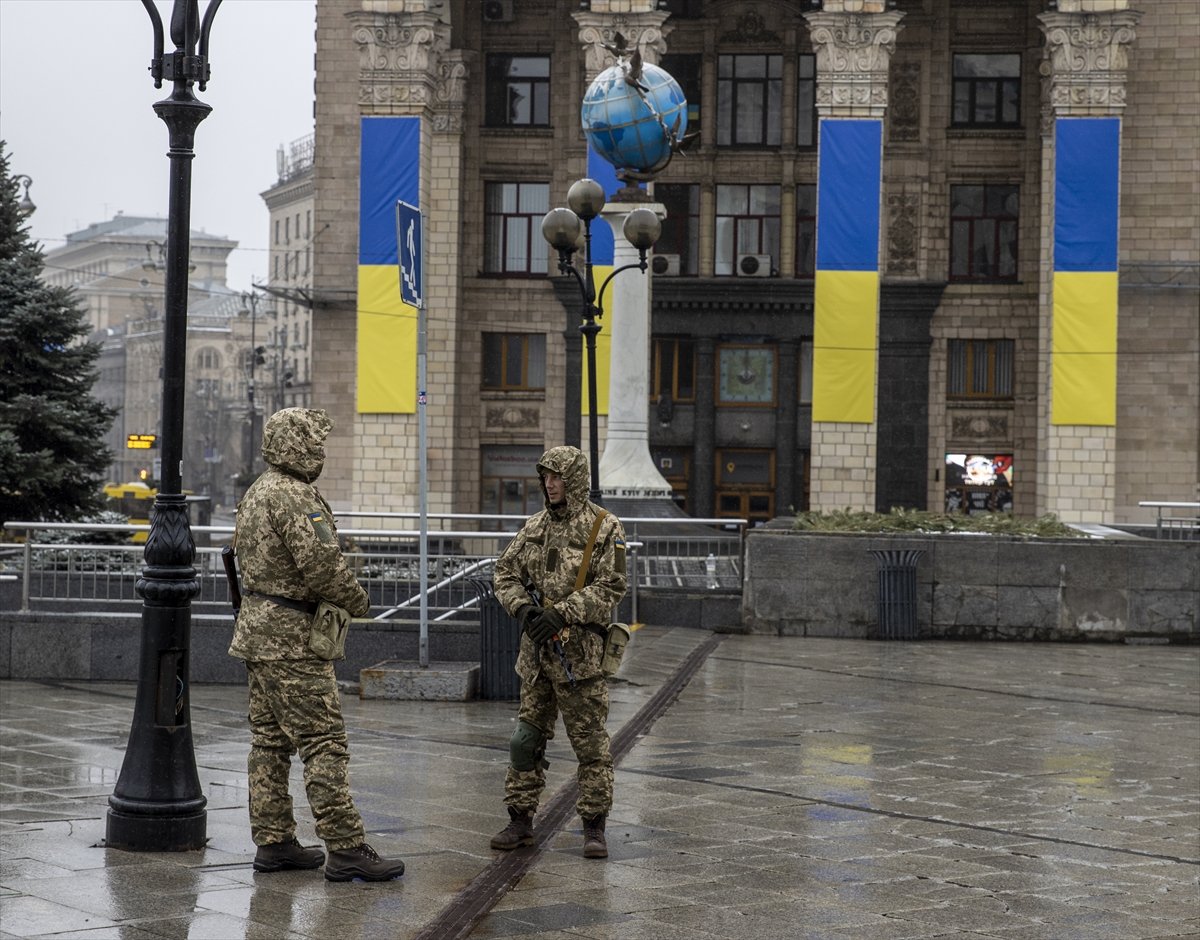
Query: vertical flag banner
x=1087 y=165
x=846 y=289
x=389 y=172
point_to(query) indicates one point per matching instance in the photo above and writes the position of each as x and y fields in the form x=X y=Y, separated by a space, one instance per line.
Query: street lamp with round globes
x=562 y=228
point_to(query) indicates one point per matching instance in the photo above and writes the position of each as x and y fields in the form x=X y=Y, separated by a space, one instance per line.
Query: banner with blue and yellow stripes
x=603 y=247
x=1087 y=165
x=846 y=290
x=389 y=170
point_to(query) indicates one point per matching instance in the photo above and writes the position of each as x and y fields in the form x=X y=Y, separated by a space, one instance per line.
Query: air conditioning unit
x=754 y=265
x=665 y=265
x=497 y=11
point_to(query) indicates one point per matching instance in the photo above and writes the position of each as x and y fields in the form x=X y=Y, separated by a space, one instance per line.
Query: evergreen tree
x=52 y=451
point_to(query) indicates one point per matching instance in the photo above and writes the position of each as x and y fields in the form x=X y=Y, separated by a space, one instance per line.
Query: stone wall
x=977 y=587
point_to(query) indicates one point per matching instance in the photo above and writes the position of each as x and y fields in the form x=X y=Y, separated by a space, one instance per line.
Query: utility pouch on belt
x=327 y=635
x=614 y=648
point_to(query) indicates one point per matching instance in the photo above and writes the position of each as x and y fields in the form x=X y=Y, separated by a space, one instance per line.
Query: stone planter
x=976 y=587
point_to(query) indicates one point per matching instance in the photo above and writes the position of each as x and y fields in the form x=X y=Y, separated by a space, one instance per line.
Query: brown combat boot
x=594 y=845
x=363 y=862
x=517 y=833
x=280 y=856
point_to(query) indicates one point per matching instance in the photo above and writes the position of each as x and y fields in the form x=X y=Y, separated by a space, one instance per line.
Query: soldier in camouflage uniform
x=290 y=560
x=544 y=558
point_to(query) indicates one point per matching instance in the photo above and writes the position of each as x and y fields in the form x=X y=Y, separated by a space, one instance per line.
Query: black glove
x=546 y=625
x=527 y=613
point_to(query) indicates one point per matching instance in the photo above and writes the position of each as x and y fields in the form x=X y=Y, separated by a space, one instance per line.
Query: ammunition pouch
x=614 y=648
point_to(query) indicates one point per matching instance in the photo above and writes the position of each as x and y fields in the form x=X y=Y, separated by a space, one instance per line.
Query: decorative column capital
x=1086 y=60
x=853 y=53
x=406 y=64
x=646 y=31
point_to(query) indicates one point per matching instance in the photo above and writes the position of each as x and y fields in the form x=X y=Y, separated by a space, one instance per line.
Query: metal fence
x=61 y=564
x=1178 y=521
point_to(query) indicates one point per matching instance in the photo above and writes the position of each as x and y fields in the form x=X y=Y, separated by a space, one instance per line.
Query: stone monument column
x=627 y=470
x=1087 y=43
x=854 y=41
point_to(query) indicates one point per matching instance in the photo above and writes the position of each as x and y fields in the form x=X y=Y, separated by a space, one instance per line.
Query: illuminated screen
x=979 y=483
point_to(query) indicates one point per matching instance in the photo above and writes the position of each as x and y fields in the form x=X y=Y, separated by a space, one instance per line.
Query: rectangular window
x=746 y=375
x=681 y=228
x=979 y=368
x=685 y=69
x=983 y=232
x=747 y=223
x=987 y=90
x=673 y=369
x=749 y=100
x=518 y=91
x=513 y=242
x=806 y=230
x=513 y=361
x=806 y=101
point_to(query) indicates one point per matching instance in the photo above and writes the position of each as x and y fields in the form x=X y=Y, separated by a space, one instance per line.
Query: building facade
x=117 y=267
x=932 y=253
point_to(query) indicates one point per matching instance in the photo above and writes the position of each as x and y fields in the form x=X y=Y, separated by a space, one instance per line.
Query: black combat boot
x=363 y=862
x=280 y=856
x=594 y=845
x=517 y=833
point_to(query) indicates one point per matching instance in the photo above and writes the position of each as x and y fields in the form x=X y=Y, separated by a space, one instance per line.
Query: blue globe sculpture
x=630 y=128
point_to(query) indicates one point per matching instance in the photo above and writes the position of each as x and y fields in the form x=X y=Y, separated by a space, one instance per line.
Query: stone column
x=701 y=497
x=627 y=470
x=407 y=69
x=1084 y=74
x=854 y=41
x=785 y=427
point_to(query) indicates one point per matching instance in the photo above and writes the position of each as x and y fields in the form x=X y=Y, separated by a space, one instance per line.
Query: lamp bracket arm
x=156 y=23
x=641 y=265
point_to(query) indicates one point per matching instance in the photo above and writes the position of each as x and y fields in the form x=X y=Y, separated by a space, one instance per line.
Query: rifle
x=229 y=560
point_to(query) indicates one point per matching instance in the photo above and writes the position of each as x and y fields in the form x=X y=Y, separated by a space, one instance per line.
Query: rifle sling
x=581 y=578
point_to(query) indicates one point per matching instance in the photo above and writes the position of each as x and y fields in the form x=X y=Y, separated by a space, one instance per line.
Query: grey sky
x=75 y=110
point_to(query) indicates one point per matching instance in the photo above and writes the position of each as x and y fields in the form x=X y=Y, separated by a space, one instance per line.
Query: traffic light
x=287 y=379
x=260 y=355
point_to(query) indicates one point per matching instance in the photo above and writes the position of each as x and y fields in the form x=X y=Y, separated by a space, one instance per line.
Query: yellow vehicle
x=133 y=501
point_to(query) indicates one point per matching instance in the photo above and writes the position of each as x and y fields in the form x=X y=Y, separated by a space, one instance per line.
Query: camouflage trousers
x=585 y=712
x=294 y=707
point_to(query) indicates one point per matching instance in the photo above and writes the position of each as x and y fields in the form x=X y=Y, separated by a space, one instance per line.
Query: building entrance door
x=745 y=484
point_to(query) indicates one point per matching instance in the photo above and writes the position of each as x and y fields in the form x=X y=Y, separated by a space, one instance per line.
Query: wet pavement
x=795 y=788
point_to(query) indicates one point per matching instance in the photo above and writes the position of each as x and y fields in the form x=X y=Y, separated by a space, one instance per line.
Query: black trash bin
x=898 y=593
x=499 y=644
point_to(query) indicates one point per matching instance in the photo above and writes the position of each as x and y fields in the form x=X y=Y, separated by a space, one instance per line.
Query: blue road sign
x=408 y=244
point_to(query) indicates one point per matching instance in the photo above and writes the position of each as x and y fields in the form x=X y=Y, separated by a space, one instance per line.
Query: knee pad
x=527 y=747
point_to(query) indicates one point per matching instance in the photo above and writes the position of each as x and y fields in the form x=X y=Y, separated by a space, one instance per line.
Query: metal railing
x=704 y=554
x=1179 y=521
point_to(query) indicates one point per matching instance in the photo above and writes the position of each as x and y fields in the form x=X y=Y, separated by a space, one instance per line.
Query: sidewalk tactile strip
x=460 y=916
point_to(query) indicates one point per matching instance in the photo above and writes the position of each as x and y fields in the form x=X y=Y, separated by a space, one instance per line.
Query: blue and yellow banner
x=389 y=170
x=1087 y=169
x=846 y=288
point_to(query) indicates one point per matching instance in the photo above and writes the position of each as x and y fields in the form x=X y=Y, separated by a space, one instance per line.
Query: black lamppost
x=157 y=804
x=562 y=229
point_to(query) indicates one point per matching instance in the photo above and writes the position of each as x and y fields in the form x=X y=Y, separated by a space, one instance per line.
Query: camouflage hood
x=570 y=464
x=294 y=442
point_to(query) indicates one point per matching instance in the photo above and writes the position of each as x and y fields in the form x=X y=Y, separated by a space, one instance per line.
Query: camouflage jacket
x=546 y=555
x=287 y=542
